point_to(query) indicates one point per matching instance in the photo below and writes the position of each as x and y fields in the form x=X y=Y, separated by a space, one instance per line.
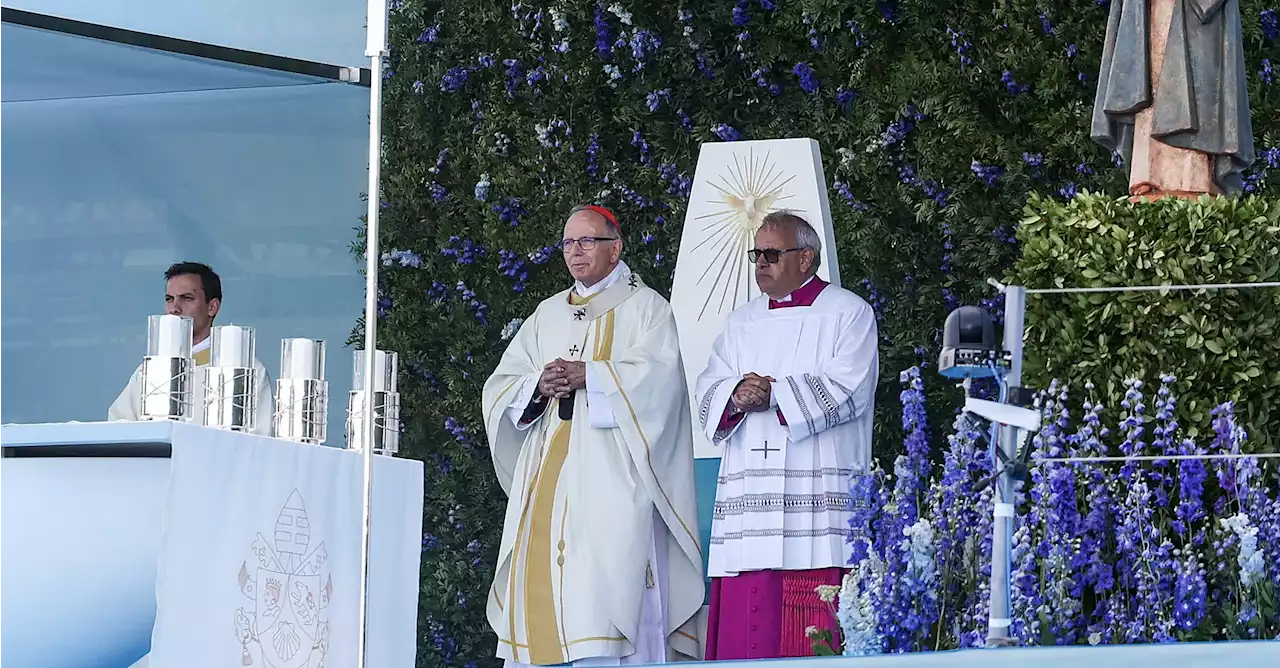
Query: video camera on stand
x=969 y=351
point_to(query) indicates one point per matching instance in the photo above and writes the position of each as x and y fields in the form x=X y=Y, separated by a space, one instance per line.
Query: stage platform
x=1245 y=654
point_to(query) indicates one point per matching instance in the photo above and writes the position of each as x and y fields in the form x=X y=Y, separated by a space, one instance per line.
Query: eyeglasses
x=770 y=255
x=585 y=243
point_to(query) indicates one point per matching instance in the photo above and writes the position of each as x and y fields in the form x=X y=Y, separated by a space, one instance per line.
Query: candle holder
x=166 y=377
x=230 y=380
x=382 y=398
x=302 y=393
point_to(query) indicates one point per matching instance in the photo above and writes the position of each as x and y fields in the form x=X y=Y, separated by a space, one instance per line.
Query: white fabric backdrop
x=290 y=517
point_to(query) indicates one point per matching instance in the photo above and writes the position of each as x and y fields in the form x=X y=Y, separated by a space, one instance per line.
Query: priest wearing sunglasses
x=588 y=423
x=787 y=395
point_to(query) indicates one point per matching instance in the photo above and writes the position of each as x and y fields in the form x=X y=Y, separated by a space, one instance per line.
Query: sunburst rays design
x=749 y=189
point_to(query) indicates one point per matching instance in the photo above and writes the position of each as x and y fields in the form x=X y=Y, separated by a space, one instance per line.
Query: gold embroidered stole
x=543 y=608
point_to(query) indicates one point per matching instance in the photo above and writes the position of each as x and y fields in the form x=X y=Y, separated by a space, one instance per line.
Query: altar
x=180 y=545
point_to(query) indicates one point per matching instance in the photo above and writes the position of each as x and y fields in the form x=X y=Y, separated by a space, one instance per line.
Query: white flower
x=811 y=631
x=622 y=14
x=482 y=188
x=509 y=330
x=614 y=74
x=558 y=20
x=857 y=612
x=827 y=593
x=544 y=134
x=688 y=30
x=1251 y=559
x=1095 y=638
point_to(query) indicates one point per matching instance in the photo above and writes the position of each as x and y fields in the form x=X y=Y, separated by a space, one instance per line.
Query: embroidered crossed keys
x=633 y=281
x=580 y=314
x=574 y=351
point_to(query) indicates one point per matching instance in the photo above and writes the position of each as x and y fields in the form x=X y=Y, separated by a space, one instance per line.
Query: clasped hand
x=561 y=378
x=753 y=393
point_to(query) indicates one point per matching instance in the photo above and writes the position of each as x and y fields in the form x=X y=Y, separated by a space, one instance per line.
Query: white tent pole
x=376 y=50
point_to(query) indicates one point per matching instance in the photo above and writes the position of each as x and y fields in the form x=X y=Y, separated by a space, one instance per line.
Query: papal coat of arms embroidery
x=290 y=587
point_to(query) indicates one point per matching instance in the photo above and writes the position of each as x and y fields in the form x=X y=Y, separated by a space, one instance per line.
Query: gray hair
x=587 y=207
x=807 y=238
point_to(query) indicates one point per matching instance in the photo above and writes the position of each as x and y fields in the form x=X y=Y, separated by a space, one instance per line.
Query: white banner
x=735 y=185
x=260 y=556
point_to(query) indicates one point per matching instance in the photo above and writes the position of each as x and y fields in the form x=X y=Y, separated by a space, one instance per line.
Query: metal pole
x=1015 y=303
x=376 y=50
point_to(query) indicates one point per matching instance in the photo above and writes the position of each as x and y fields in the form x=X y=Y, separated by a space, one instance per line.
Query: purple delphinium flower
x=739 y=14
x=726 y=132
x=454 y=79
x=908 y=610
x=846 y=194
x=685 y=121
x=961 y=45
x=480 y=308
x=1046 y=25
x=644 y=45
x=1013 y=86
x=515 y=75
x=959 y=513
x=808 y=80
x=509 y=211
x=542 y=255
x=430 y=34
x=604 y=35
x=1267 y=73
x=948 y=246
x=467 y=251
x=593 y=156
x=1069 y=191
x=638 y=140
x=654 y=98
x=1270 y=23
x=988 y=174
x=875 y=299
x=845 y=97
x=1072 y=50
x=1055 y=511
x=1097 y=525
x=888 y=11
x=512 y=266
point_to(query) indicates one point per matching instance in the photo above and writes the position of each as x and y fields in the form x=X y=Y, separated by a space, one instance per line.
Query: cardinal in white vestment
x=788 y=396
x=591 y=439
x=193 y=289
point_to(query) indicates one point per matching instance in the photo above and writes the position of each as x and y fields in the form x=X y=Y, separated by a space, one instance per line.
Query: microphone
x=566 y=407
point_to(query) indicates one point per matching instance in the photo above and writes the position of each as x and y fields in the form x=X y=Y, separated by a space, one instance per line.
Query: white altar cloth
x=237 y=545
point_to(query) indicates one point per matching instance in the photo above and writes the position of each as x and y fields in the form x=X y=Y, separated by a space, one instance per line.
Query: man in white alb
x=589 y=428
x=788 y=395
x=194 y=290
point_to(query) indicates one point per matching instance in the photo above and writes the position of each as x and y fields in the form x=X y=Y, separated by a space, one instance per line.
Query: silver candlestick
x=166 y=370
x=302 y=393
x=385 y=402
x=230 y=380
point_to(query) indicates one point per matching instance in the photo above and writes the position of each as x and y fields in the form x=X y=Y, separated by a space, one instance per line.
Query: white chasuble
x=782 y=499
x=600 y=536
x=128 y=404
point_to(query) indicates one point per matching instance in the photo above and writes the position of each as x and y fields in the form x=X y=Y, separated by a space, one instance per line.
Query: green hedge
x=1220 y=344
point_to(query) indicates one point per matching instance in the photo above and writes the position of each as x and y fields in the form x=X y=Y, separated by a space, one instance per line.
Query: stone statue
x=1172 y=97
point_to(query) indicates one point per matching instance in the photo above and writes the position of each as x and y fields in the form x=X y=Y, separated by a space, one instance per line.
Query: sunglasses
x=770 y=255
